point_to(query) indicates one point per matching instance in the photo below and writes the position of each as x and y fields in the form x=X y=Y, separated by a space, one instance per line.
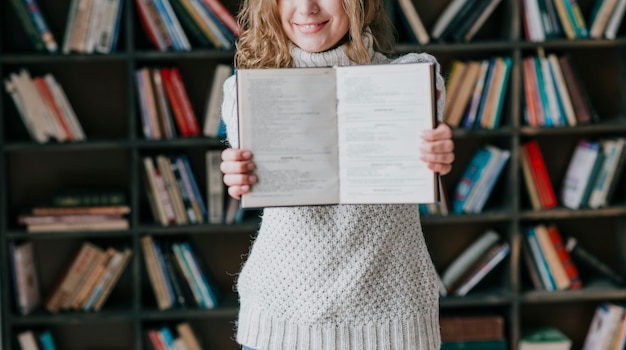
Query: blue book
x=116 y=29
x=46 y=340
x=469 y=178
x=540 y=260
x=194 y=186
x=222 y=27
x=489 y=85
x=207 y=287
x=168 y=337
x=188 y=274
x=42 y=26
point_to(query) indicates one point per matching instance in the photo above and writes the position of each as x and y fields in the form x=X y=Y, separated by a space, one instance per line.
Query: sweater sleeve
x=440 y=84
x=229 y=112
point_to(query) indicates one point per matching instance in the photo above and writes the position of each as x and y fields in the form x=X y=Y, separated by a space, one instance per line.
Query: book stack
x=209 y=22
x=554 y=92
x=476 y=91
x=474 y=263
x=485 y=332
x=36 y=340
x=593 y=172
x=88 y=280
x=554 y=19
x=35 y=25
x=549 y=263
x=172 y=190
x=72 y=211
x=544 y=338
x=44 y=107
x=165 y=107
x=181 y=337
x=92 y=26
x=607 y=330
x=462 y=19
x=478 y=179
x=177 y=277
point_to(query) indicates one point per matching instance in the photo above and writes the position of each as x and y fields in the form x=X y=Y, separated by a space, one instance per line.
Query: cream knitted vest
x=349 y=277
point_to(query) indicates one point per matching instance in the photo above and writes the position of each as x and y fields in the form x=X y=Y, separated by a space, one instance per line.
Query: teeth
x=309 y=26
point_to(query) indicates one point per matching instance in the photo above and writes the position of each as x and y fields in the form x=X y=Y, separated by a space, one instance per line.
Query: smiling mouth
x=311 y=26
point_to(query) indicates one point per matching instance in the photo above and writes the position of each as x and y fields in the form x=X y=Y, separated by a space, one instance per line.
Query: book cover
x=482 y=267
x=604 y=326
x=338 y=134
x=468 y=257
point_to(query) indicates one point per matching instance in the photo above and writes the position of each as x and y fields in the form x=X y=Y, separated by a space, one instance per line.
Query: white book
x=603 y=327
x=501 y=253
x=36 y=133
x=614 y=151
x=26 y=277
x=106 y=36
x=34 y=105
x=616 y=20
x=212 y=113
x=468 y=257
x=578 y=173
x=96 y=23
x=337 y=134
x=28 y=341
x=533 y=19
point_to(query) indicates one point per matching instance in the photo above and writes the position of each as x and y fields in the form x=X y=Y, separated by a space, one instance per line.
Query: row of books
x=176 y=275
x=36 y=340
x=173 y=192
x=484 y=332
x=180 y=337
x=460 y=20
x=552 y=260
x=479 y=178
x=553 y=19
x=84 y=285
x=209 y=22
x=473 y=264
x=476 y=91
x=43 y=107
x=164 y=103
x=554 y=92
x=92 y=26
x=590 y=180
x=79 y=210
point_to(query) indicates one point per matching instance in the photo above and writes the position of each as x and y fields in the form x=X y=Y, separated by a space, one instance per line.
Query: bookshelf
x=102 y=90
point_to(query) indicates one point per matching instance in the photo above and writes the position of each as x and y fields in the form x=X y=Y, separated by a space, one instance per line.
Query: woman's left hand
x=437 y=148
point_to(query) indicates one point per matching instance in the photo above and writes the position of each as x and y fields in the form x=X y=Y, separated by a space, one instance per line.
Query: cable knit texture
x=345 y=277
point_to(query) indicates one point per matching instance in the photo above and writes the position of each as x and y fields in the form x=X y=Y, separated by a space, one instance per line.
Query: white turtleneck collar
x=333 y=57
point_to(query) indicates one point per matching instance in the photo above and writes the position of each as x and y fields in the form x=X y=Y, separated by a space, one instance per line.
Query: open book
x=334 y=135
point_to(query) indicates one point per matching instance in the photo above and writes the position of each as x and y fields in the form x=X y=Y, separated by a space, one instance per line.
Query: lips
x=310 y=28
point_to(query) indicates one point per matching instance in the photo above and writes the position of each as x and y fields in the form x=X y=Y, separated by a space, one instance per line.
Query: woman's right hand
x=238 y=170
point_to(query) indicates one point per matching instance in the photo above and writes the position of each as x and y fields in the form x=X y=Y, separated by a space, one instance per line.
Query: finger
x=239 y=179
x=234 y=154
x=443 y=158
x=237 y=191
x=236 y=167
x=441 y=132
x=440 y=168
x=442 y=146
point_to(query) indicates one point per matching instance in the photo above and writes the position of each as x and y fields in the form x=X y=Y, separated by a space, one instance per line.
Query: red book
x=177 y=109
x=570 y=268
x=149 y=26
x=46 y=95
x=540 y=174
x=530 y=87
x=224 y=15
x=179 y=88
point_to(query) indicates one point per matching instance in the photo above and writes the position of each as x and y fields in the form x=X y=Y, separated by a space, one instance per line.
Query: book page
x=381 y=111
x=287 y=118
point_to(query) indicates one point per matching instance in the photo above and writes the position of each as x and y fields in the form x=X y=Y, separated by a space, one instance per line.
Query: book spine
x=224 y=15
x=568 y=264
x=28 y=23
x=179 y=88
x=584 y=256
x=41 y=25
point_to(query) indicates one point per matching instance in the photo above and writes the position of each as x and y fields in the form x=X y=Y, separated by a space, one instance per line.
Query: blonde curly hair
x=263 y=44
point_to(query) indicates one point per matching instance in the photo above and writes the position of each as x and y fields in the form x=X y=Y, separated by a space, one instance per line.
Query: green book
x=534 y=338
x=494 y=344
